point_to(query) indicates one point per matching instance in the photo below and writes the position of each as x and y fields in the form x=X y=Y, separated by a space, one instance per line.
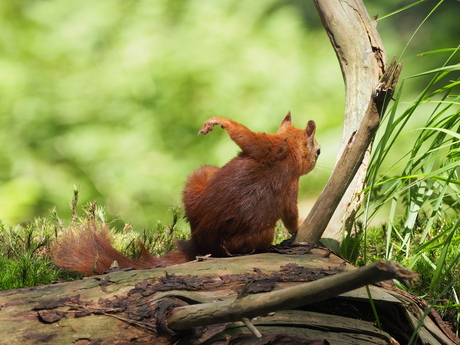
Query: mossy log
x=139 y=307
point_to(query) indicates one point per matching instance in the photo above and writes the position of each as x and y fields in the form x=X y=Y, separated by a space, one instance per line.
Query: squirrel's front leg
x=254 y=144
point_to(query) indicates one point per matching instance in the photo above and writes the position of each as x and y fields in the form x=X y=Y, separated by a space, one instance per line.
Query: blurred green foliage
x=109 y=95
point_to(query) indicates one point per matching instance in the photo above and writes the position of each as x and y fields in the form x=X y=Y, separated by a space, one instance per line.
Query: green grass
x=25 y=250
x=25 y=256
x=413 y=188
x=436 y=260
x=417 y=190
x=158 y=241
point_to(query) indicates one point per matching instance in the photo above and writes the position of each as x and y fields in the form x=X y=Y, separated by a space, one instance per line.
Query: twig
x=252 y=328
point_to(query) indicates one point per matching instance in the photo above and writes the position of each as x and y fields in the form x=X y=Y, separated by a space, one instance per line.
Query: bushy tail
x=89 y=251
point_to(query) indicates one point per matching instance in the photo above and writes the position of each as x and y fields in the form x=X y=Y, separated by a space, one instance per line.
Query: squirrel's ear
x=311 y=128
x=286 y=121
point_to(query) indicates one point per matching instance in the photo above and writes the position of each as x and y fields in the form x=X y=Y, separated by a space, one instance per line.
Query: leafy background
x=109 y=95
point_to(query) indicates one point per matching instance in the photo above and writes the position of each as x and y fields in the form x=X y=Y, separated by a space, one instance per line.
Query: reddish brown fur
x=234 y=209
x=89 y=251
x=231 y=210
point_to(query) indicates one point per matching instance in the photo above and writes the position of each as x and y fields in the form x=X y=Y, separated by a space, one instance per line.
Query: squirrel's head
x=309 y=148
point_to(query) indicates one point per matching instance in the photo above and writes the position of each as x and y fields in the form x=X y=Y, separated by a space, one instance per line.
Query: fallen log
x=250 y=306
x=136 y=306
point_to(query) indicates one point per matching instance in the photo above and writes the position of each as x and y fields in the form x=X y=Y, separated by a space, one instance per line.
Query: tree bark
x=348 y=165
x=146 y=307
x=250 y=306
x=362 y=59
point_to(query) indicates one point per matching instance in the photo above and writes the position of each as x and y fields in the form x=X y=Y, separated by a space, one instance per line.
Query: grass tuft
x=25 y=258
x=417 y=190
x=25 y=250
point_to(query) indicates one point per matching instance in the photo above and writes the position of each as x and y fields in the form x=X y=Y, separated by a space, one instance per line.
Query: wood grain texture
x=362 y=58
x=347 y=167
x=133 y=307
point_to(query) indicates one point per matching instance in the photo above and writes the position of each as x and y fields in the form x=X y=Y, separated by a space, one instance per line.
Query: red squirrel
x=231 y=210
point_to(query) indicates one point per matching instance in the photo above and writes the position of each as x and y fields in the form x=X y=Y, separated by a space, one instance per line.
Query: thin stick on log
x=261 y=304
x=251 y=327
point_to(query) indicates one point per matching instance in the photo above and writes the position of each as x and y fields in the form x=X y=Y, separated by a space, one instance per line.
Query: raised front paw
x=209 y=125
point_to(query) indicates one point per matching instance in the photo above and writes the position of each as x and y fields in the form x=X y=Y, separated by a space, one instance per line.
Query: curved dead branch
x=249 y=306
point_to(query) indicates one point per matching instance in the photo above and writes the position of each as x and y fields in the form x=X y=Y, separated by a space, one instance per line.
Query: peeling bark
x=135 y=307
x=250 y=306
x=362 y=59
x=349 y=163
